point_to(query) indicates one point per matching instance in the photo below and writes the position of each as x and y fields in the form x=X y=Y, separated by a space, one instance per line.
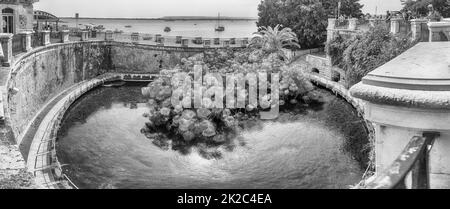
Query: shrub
x=367 y=51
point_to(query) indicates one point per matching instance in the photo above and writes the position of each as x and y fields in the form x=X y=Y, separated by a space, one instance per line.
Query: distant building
x=17 y=15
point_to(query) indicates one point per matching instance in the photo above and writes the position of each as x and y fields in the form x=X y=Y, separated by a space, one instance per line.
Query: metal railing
x=413 y=160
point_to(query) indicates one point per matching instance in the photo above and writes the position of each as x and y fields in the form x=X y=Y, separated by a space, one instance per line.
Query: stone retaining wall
x=146 y=58
x=43 y=73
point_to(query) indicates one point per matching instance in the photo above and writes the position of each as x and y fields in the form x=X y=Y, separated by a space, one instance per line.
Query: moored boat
x=219 y=28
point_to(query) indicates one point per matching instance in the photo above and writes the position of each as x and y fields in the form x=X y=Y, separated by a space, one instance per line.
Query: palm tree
x=273 y=40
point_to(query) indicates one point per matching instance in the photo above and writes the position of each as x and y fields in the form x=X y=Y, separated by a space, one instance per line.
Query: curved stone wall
x=40 y=75
x=147 y=58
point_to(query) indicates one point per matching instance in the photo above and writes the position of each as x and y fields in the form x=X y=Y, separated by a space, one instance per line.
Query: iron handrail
x=414 y=159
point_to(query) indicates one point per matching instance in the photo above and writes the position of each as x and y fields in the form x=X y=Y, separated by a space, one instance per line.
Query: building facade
x=17 y=15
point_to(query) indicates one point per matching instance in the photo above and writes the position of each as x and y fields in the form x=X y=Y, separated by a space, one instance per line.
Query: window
x=8 y=20
x=7 y=11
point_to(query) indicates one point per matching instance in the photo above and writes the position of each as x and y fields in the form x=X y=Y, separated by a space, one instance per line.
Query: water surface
x=102 y=145
x=186 y=28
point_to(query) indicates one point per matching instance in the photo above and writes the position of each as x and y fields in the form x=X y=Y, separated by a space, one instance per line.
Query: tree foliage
x=366 y=52
x=306 y=18
x=419 y=7
x=349 y=8
x=275 y=40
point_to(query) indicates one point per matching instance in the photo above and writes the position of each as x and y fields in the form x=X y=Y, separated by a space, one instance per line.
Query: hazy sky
x=160 y=8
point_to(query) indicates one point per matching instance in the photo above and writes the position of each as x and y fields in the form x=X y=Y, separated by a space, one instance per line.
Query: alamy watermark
x=249 y=91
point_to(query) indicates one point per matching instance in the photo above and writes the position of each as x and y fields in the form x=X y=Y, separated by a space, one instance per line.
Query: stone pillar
x=232 y=41
x=407 y=97
x=216 y=41
x=135 y=38
x=6 y=43
x=332 y=23
x=45 y=37
x=416 y=28
x=207 y=43
x=395 y=25
x=226 y=43
x=157 y=38
x=185 y=42
x=244 y=42
x=439 y=31
x=352 y=24
x=84 y=35
x=198 y=40
x=65 y=36
x=109 y=36
x=161 y=41
x=26 y=40
x=178 y=39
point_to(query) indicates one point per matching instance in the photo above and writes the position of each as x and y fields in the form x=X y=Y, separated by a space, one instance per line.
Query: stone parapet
x=395 y=25
x=65 y=36
x=407 y=97
x=416 y=28
x=439 y=31
x=332 y=23
x=6 y=47
x=26 y=43
x=45 y=38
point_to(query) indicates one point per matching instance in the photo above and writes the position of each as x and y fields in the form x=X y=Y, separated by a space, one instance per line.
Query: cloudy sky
x=160 y=8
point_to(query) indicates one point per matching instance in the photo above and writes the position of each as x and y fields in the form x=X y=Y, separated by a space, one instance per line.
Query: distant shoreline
x=165 y=18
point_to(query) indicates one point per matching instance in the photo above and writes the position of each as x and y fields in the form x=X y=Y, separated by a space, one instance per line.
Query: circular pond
x=101 y=145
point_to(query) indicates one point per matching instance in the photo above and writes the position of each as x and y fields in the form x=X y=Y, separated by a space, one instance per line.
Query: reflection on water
x=101 y=142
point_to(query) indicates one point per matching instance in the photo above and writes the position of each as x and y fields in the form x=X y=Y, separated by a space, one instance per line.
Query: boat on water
x=219 y=28
x=128 y=26
x=167 y=29
x=115 y=84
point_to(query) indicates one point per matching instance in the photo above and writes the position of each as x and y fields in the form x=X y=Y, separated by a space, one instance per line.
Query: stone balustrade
x=65 y=36
x=333 y=30
x=207 y=43
x=439 y=31
x=26 y=40
x=109 y=36
x=84 y=35
x=178 y=39
x=6 y=46
x=417 y=26
x=158 y=38
x=395 y=25
x=135 y=37
x=45 y=38
x=185 y=42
